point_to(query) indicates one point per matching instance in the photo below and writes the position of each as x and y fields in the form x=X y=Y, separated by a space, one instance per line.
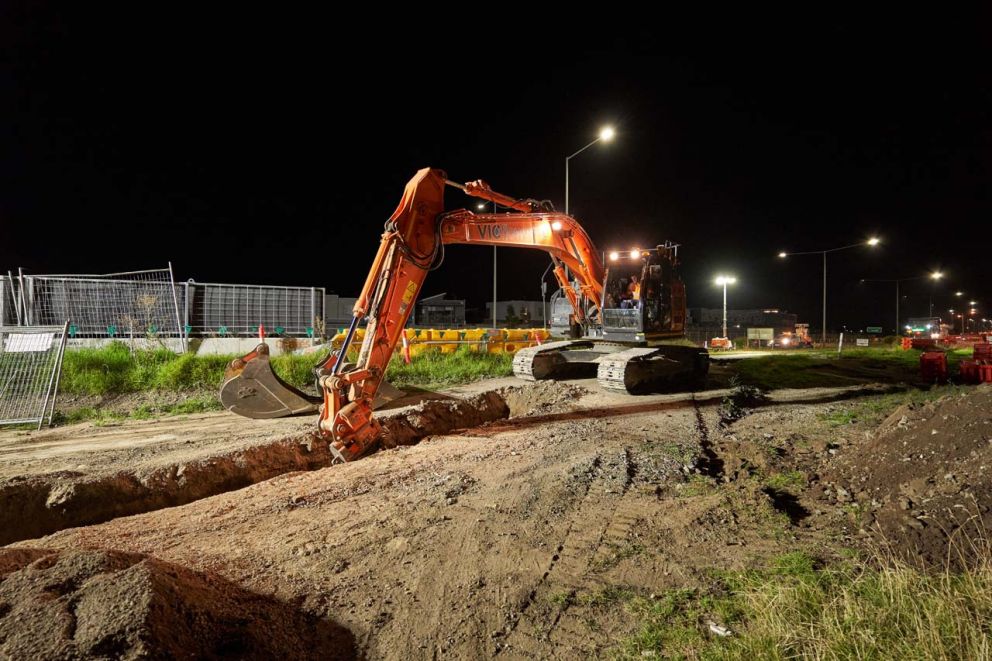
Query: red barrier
x=969 y=371
x=933 y=366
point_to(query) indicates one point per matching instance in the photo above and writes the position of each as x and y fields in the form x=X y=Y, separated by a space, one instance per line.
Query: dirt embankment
x=923 y=478
x=112 y=605
x=122 y=481
x=530 y=538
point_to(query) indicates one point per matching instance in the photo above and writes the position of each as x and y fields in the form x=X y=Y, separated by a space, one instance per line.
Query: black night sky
x=270 y=149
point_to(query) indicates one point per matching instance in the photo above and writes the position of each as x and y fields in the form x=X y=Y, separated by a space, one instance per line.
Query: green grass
x=116 y=370
x=823 y=368
x=434 y=369
x=872 y=410
x=790 y=481
x=101 y=416
x=794 y=608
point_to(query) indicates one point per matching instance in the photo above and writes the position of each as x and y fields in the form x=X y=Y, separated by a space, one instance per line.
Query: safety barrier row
x=483 y=340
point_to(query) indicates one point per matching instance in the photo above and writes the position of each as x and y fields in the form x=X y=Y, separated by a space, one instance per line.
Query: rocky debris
x=922 y=477
x=541 y=397
x=435 y=417
x=82 y=604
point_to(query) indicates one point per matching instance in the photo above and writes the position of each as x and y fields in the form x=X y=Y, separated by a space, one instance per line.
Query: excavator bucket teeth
x=253 y=390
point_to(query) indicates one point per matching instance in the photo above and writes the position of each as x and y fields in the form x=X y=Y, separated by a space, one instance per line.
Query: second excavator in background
x=623 y=320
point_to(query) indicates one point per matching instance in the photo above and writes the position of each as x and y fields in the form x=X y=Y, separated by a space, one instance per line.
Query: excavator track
x=545 y=361
x=634 y=370
x=618 y=368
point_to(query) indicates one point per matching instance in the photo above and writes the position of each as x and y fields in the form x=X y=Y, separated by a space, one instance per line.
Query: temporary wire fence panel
x=9 y=312
x=232 y=310
x=117 y=305
x=30 y=367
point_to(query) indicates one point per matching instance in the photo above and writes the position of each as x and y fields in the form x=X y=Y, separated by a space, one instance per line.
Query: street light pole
x=606 y=134
x=936 y=275
x=725 y=280
x=494 y=277
x=823 y=331
x=724 y=310
x=873 y=241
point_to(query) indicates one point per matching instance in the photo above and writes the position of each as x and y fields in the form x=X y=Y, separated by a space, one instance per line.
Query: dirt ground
x=511 y=537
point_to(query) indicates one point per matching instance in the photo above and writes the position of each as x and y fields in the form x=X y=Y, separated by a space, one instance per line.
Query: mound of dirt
x=923 y=478
x=541 y=397
x=440 y=416
x=100 y=604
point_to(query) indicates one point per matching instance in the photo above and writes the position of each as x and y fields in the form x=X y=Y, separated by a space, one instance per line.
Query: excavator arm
x=411 y=246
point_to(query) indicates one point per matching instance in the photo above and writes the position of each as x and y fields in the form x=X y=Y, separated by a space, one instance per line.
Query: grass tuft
x=794 y=608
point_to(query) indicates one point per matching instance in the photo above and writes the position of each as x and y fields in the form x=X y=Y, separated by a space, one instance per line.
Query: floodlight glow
x=614 y=256
x=635 y=253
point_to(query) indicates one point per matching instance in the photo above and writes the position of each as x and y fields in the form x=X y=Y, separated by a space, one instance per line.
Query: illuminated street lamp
x=606 y=134
x=725 y=280
x=871 y=242
x=936 y=275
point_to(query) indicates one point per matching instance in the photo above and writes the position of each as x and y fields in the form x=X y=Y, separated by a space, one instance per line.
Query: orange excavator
x=619 y=338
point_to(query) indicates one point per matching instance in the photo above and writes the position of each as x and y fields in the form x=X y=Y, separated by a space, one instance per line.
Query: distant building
x=526 y=313
x=738 y=321
x=439 y=312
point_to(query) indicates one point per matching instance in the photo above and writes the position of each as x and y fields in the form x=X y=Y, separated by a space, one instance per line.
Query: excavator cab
x=643 y=296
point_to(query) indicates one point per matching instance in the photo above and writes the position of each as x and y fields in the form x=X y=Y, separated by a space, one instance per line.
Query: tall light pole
x=936 y=275
x=873 y=241
x=725 y=280
x=606 y=134
x=481 y=206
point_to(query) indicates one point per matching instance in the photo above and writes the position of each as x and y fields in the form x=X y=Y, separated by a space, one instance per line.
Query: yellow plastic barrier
x=448 y=340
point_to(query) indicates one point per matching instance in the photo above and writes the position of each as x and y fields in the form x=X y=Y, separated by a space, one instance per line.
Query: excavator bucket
x=253 y=390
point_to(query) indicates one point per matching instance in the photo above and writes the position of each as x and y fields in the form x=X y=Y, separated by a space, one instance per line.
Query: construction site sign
x=761 y=334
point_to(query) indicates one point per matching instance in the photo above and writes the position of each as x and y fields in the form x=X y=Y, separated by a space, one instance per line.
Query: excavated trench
x=34 y=506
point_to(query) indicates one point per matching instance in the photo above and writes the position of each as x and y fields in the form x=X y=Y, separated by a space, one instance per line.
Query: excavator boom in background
x=617 y=328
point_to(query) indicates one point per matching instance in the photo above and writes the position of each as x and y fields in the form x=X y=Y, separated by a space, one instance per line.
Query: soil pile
x=107 y=604
x=924 y=478
x=542 y=397
x=440 y=417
